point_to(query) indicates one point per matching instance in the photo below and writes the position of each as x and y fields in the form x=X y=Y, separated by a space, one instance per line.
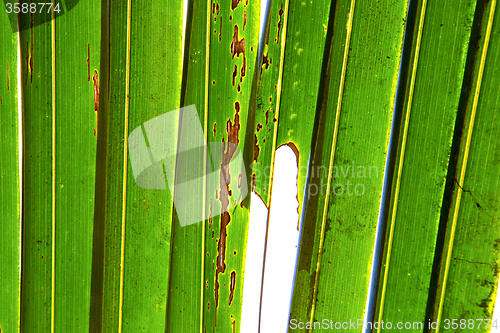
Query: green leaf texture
x=60 y=61
x=143 y=62
x=348 y=161
x=470 y=266
x=431 y=102
x=9 y=181
x=233 y=50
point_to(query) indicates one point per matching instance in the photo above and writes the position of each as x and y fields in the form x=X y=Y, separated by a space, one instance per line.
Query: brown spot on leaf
x=239 y=88
x=95 y=78
x=231 y=287
x=225 y=218
x=244 y=19
x=267 y=117
x=259 y=127
x=217 y=9
x=237 y=47
x=213 y=82
x=235 y=72
x=213 y=8
x=240 y=178
x=215 y=129
x=265 y=62
x=256 y=148
x=32 y=24
x=243 y=69
x=1 y=101
x=230 y=17
x=210 y=216
x=208 y=306
x=88 y=61
x=234 y=4
x=277 y=39
x=220 y=29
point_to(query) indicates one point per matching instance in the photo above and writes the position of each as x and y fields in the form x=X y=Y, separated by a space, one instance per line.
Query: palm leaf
x=348 y=162
x=136 y=218
x=185 y=300
x=133 y=255
x=469 y=266
x=432 y=96
x=233 y=49
x=9 y=180
x=60 y=70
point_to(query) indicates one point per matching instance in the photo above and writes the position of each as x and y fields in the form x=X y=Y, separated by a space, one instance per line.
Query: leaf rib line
x=332 y=156
x=125 y=165
x=20 y=170
x=466 y=156
x=401 y=160
x=205 y=157
x=275 y=138
x=53 y=273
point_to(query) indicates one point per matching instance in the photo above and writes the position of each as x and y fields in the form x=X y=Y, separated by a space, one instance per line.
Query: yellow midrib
x=125 y=160
x=332 y=157
x=466 y=156
x=53 y=284
x=401 y=160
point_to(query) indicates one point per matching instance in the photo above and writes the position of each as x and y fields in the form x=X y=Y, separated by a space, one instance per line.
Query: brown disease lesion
x=231 y=287
x=233 y=130
x=88 y=61
x=237 y=48
x=97 y=92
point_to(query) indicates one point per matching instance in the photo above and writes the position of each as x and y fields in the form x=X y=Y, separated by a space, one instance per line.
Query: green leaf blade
x=433 y=97
x=234 y=39
x=348 y=162
x=9 y=181
x=59 y=166
x=469 y=271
